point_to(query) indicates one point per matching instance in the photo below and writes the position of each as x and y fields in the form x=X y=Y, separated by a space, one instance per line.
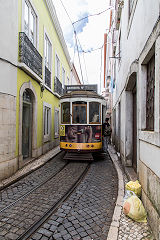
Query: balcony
x=47 y=77
x=58 y=86
x=29 y=55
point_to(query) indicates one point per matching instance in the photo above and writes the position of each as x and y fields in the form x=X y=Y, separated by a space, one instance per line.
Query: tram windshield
x=79 y=112
x=65 y=112
x=94 y=112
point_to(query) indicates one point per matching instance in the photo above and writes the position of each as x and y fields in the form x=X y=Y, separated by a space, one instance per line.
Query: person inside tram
x=95 y=117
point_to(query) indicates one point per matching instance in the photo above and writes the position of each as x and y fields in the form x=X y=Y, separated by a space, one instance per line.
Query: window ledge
x=46 y=138
x=29 y=72
x=56 y=136
x=50 y=90
x=150 y=137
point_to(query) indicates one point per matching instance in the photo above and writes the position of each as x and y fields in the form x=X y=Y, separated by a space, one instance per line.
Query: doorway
x=27 y=125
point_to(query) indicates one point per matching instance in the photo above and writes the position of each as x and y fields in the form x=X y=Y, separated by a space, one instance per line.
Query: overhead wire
x=92 y=15
x=75 y=38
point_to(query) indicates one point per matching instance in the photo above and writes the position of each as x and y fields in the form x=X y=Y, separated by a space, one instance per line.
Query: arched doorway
x=27 y=124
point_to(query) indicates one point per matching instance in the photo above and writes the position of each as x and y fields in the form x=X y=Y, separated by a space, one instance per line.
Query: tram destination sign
x=89 y=87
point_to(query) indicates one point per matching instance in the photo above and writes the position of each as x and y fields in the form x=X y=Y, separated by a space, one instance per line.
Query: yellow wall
x=44 y=22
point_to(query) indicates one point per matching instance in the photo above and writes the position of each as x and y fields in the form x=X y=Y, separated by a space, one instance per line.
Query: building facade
x=135 y=61
x=34 y=67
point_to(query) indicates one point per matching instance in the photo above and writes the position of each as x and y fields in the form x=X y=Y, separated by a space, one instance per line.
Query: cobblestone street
x=86 y=214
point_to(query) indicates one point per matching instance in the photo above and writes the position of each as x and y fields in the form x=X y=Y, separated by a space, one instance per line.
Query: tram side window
x=94 y=112
x=65 y=112
x=79 y=112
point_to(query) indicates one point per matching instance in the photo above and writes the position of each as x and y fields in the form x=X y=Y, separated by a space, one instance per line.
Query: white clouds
x=90 y=34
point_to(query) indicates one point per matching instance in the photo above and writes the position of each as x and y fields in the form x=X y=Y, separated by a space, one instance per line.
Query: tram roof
x=81 y=93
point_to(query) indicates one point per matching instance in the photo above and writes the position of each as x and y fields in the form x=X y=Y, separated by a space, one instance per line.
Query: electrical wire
x=75 y=38
x=79 y=56
x=92 y=15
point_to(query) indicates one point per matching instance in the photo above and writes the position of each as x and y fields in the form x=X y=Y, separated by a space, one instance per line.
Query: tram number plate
x=62 y=130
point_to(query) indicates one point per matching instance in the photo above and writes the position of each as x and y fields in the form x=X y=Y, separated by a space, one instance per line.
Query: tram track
x=31 y=210
x=20 y=189
x=33 y=189
x=41 y=221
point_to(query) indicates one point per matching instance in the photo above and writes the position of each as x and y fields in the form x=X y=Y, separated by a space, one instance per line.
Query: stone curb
x=37 y=163
x=113 y=231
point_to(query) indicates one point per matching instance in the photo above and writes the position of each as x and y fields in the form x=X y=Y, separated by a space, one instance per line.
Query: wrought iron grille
x=29 y=55
x=47 y=77
x=58 y=86
x=150 y=94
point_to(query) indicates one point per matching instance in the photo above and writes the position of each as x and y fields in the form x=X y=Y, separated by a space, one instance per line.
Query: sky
x=90 y=35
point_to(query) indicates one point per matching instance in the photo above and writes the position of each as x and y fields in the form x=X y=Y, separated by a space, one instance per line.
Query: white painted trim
x=83 y=99
x=64 y=76
x=29 y=71
x=47 y=138
x=56 y=110
x=37 y=21
x=56 y=66
x=34 y=121
x=46 y=34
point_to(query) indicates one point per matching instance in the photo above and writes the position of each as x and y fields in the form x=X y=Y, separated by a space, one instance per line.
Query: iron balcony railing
x=58 y=86
x=47 y=77
x=29 y=55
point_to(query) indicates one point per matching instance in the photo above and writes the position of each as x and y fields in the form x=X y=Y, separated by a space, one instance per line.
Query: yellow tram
x=82 y=115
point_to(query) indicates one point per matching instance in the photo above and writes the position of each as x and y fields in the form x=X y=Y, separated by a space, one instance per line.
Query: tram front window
x=94 y=112
x=65 y=112
x=79 y=112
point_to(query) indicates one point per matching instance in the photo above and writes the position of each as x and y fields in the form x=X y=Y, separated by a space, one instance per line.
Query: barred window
x=150 y=94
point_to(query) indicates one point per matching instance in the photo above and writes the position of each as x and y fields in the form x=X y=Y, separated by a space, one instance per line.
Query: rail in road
x=30 y=210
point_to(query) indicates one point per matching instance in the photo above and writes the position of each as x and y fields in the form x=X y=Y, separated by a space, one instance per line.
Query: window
x=94 y=112
x=65 y=112
x=47 y=53
x=150 y=94
x=57 y=67
x=79 y=112
x=48 y=50
x=120 y=46
x=30 y=22
x=68 y=80
x=56 y=122
x=63 y=77
x=47 y=121
x=131 y=2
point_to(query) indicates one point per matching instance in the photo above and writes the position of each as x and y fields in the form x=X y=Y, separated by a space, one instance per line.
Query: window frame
x=73 y=112
x=32 y=11
x=47 y=136
x=63 y=77
x=148 y=124
x=99 y=113
x=57 y=66
x=62 y=122
x=56 y=133
x=46 y=36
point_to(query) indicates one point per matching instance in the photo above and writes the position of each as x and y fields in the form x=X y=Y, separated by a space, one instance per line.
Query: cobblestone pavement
x=19 y=217
x=26 y=184
x=126 y=228
x=87 y=213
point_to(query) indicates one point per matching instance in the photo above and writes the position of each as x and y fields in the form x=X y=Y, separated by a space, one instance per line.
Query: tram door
x=26 y=125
